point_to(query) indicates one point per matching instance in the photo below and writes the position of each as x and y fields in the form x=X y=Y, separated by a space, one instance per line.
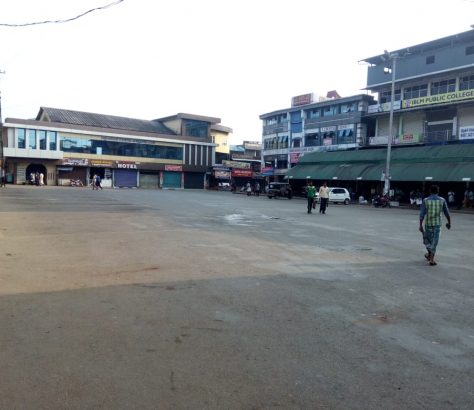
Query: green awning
x=441 y=172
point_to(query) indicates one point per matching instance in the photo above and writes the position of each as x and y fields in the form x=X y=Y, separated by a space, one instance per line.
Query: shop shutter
x=171 y=179
x=125 y=178
x=150 y=181
x=193 y=180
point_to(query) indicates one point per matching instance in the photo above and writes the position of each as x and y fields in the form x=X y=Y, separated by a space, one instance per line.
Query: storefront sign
x=242 y=173
x=222 y=174
x=385 y=107
x=101 y=163
x=127 y=165
x=267 y=171
x=410 y=139
x=328 y=129
x=80 y=162
x=295 y=156
x=175 y=168
x=236 y=164
x=466 y=133
x=255 y=146
x=327 y=141
x=345 y=127
x=439 y=98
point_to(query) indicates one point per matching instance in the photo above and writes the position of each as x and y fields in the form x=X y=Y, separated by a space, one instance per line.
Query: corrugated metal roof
x=101 y=120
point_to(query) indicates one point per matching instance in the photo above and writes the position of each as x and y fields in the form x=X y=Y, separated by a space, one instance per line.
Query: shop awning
x=441 y=172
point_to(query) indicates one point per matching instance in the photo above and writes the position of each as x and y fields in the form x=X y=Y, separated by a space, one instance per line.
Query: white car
x=337 y=196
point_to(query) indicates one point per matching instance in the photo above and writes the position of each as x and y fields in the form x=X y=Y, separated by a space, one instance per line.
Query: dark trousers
x=323 y=205
x=310 y=204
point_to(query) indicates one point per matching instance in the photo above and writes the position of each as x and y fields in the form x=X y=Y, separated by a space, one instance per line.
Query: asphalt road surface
x=135 y=299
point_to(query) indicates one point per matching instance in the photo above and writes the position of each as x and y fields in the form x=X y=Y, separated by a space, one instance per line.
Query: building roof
x=430 y=45
x=222 y=128
x=325 y=103
x=182 y=115
x=101 y=120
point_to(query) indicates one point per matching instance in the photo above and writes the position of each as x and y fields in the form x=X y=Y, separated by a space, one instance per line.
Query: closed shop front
x=149 y=180
x=193 y=180
x=171 y=179
x=125 y=178
x=66 y=174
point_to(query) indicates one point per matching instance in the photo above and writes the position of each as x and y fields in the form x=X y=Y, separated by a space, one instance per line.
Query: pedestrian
x=97 y=182
x=257 y=189
x=451 y=199
x=93 y=181
x=323 y=198
x=3 y=178
x=249 y=189
x=430 y=213
x=310 y=194
x=37 y=178
x=41 y=179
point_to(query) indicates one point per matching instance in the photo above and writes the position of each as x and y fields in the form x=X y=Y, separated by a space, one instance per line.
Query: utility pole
x=2 y=159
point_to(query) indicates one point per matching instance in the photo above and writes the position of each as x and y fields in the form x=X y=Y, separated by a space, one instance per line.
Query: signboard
x=302 y=100
x=81 y=162
x=176 y=168
x=253 y=145
x=242 y=173
x=222 y=174
x=466 y=133
x=126 y=165
x=439 y=98
x=385 y=107
x=295 y=156
x=328 y=129
x=327 y=141
x=101 y=163
x=267 y=171
x=410 y=139
x=236 y=164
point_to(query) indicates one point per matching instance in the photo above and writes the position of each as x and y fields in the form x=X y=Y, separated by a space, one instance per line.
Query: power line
x=64 y=20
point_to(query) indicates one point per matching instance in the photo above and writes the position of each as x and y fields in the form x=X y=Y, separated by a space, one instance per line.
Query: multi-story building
x=432 y=116
x=328 y=124
x=65 y=145
x=220 y=136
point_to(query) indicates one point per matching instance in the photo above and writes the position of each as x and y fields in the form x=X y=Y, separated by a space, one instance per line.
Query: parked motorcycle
x=76 y=182
x=381 y=201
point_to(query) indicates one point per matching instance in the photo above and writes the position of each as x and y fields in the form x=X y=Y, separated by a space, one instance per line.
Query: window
x=466 y=83
x=193 y=128
x=312 y=140
x=131 y=149
x=329 y=111
x=314 y=113
x=430 y=59
x=443 y=87
x=32 y=139
x=347 y=107
x=52 y=140
x=42 y=139
x=416 y=91
x=345 y=136
x=385 y=96
x=21 y=134
x=469 y=50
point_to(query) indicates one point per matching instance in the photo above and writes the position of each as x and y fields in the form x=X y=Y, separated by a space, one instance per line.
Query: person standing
x=97 y=182
x=257 y=188
x=310 y=194
x=41 y=179
x=430 y=213
x=323 y=198
x=451 y=199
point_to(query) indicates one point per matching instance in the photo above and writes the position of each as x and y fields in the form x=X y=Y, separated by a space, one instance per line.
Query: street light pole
x=393 y=57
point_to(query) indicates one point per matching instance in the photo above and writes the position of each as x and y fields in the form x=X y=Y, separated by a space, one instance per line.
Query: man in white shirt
x=324 y=198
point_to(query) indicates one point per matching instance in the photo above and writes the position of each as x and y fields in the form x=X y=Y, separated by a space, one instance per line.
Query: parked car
x=279 y=189
x=337 y=195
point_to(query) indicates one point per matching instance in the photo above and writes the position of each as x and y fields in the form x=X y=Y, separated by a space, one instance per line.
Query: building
x=313 y=125
x=171 y=152
x=221 y=135
x=433 y=122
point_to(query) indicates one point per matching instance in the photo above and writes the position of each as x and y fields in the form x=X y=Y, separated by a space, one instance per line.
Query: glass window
x=42 y=139
x=195 y=128
x=314 y=113
x=443 y=87
x=52 y=140
x=21 y=134
x=345 y=136
x=430 y=59
x=312 y=140
x=127 y=149
x=328 y=111
x=386 y=96
x=32 y=139
x=416 y=91
x=469 y=50
x=347 y=107
x=466 y=83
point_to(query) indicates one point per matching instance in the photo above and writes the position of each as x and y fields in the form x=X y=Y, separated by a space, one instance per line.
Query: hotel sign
x=439 y=99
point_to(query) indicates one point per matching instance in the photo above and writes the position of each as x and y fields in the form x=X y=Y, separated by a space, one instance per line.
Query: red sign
x=176 y=168
x=302 y=100
x=242 y=172
x=294 y=157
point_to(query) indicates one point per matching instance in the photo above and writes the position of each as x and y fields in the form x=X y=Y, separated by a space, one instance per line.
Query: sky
x=230 y=59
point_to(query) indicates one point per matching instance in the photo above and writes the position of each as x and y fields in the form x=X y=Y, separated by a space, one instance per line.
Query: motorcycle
x=76 y=182
x=380 y=201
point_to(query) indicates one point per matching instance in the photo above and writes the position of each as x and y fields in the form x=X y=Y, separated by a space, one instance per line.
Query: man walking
x=310 y=194
x=324 y=198
x=430 y=212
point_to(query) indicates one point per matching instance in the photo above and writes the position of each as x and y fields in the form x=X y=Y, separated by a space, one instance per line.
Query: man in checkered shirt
x=430 y=212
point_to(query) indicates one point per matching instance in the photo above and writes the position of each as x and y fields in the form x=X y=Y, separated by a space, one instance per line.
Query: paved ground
x=131 y=299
